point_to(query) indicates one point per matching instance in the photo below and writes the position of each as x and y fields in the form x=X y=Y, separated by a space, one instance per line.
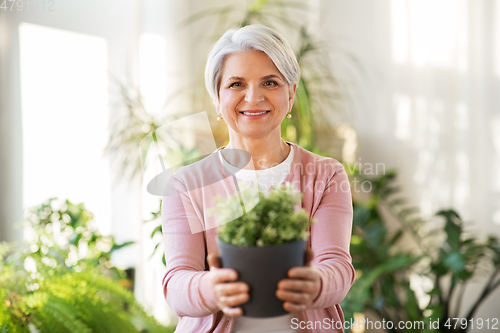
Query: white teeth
x=253 y=114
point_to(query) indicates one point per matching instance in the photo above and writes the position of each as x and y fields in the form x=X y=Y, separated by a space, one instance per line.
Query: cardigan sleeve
x=330 y=239
x=185 y=285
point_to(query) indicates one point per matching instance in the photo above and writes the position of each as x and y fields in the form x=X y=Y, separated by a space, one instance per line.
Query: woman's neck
x=265 y=153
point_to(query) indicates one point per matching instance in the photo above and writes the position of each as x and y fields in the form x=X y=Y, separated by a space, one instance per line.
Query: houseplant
x=61 y=278
x=61 y=235
x=66 y=301
x=263 y=243
x=446 y=257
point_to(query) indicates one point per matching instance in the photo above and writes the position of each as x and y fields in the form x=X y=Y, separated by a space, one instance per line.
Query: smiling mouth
x=254 y=113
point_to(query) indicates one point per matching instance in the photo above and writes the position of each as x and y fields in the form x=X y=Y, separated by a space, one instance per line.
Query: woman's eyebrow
x=264 y=78
x=235 y=78
x=272 y=76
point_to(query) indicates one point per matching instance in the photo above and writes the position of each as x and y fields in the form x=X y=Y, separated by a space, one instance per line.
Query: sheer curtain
x=429 y=102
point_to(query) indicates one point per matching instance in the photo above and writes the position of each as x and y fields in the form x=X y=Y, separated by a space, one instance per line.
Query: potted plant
x=263 y=243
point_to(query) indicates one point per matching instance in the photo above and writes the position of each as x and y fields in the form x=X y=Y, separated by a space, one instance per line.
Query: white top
x=265 y=179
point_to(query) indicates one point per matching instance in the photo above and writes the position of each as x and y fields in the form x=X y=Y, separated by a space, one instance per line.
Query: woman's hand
x=227 y=294
x=302 y=288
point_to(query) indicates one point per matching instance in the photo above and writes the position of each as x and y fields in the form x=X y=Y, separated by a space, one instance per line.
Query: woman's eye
x=271 y=83
x=235 y=84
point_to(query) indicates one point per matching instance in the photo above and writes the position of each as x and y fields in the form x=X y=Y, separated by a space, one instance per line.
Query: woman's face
x=254 y=97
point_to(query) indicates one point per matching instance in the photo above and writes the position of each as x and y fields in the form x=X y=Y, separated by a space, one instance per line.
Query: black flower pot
x=262 y=268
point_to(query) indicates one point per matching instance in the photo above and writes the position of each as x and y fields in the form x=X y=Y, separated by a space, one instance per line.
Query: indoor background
x=416 y=89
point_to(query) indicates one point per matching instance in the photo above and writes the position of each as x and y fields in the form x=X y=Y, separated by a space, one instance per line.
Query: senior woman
x=252 y=75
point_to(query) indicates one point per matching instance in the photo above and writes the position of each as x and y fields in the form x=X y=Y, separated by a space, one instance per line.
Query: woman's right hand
x=227 y=294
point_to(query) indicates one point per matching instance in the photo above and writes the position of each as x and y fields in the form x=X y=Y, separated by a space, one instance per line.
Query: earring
x=289 y=115
x=219 y=118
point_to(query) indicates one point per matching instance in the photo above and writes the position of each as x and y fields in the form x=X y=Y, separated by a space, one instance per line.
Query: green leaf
x=439 y=268
x=453 y=232
x=453 y=229
x=394 y=264
x=120 y=246
x=155 y=230
x=435 y=292
x=455 y=261
x=396 y=237
x=361 y=215
x=273 y=220
x=411 y=306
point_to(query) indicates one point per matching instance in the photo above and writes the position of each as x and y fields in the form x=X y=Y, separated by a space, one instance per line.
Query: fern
x=69 y=302
x=63 y=315
x=57 y=295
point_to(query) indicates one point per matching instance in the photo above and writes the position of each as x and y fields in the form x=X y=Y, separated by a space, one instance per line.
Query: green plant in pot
x=263 y=243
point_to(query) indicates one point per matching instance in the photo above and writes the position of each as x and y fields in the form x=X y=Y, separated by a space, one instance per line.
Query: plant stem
x=487 y=289
x=438 y=287
x=448 y=299
x=460 y=296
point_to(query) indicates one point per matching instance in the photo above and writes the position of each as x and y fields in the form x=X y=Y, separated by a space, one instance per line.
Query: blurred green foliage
x=61 y=279
x=446 y=257
x=60 y=235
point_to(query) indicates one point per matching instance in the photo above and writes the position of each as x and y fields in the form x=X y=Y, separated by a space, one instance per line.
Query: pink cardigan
x=189 y=235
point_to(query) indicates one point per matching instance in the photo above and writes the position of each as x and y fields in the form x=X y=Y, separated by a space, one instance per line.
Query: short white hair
x=246 y=39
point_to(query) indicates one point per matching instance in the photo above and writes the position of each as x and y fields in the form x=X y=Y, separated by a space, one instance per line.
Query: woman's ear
x=216 y=103
x=291 y=98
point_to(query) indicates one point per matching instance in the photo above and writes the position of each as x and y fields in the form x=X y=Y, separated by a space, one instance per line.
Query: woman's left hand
x=302 y=288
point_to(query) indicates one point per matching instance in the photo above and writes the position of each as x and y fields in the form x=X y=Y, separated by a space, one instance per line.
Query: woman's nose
x=253 y=95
